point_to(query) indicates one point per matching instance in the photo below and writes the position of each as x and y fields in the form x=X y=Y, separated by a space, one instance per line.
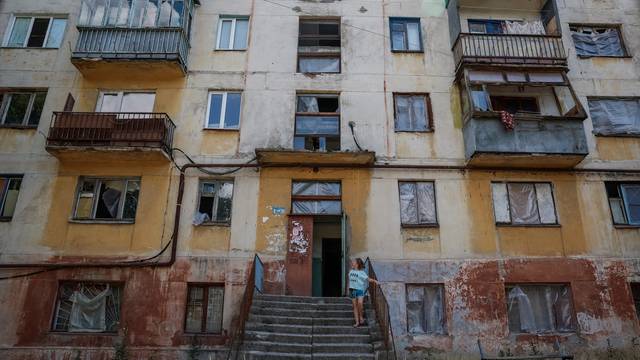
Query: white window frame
x=223 y=110
x=4 y=107
x=120 y=95
x=7 y=35
x=232 y=34
x=96 y=190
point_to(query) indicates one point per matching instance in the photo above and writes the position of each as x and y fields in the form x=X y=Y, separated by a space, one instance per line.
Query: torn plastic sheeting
x=426 y=202
x=88 y=314
x=546 y=206
x=318 y=65
x=408 y=204
x=518 y=298
x=523 y=203
x=316 y=188
x=308 y=104
x=200 y=218
x=425 y=309
x=615 y=116
x=606 y=43
x=111 y=199
x=500 y=202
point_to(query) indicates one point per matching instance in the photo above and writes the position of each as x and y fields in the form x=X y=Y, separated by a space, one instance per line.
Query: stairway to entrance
x=297 y=327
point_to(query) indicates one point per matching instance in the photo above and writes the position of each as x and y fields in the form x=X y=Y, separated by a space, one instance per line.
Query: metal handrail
x=381 y=307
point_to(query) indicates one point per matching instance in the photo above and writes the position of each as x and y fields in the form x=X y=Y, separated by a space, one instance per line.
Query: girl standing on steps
x=358 y=283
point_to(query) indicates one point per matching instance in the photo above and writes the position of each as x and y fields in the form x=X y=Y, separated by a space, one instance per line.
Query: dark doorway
x=331 y=267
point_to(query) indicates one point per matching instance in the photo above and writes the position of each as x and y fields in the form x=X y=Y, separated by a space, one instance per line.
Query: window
x=132 y=13
x=405 y=34
x=223 y=111
x=515 y=104
x=624 y=201
x=597 y=41
x=539 y=308
x=425 y=309
x=87 y=307
x=615 y=116
x=317 y=126
x=412 y=112
x=107 y=199
x=486 y=26
x=9 y=190
x=21 y=108
x=232 y=33
x=524 y=203
x=215 y=202
x=319 y=46
x=317 y=198
x=122 y=101
x=35 y=32
x=417 y=203
x=635 y=293
x=204 y=308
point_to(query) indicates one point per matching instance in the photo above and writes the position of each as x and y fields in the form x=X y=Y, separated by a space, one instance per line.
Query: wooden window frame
x=310 y=198
x=444 y=307
x=5 y=190
x=574 y=318
x=511 y=224
x=404 y=21
x=624 y=208
x=205 y=304
x=435 y=205
x=429 y=111
x=94 y=205
x=216 y=199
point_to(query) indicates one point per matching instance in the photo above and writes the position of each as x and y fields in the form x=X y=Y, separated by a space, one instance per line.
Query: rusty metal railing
x=381 y=307
x=150 y=130
x=509 y=49
x=254 y=283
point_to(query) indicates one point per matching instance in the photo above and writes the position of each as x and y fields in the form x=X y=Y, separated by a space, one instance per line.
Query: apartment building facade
x=483 y=154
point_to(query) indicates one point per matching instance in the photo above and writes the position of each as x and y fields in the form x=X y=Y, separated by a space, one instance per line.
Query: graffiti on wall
x=299 y=244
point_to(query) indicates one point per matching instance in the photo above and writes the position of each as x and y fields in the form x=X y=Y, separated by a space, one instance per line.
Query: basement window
x=592 y=41
x=412 y=112
x=317 y=124
x=417 y=203
x=624 y=201
x=425 y=309
x=232 y=33
x=21 y=108
x=35 y=32
x=319 y=46
x=223 y=111
x=518 y=203
x=539 y=308
x=215 y=202
x=107 y=199
x=9 y=191
x=204 y=308
x=615 y=116
x=405 y=35
x=88 y=307
x=635 y=293
x=316 y=198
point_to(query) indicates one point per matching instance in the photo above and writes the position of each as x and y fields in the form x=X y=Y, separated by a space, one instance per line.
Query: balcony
x=73 y=133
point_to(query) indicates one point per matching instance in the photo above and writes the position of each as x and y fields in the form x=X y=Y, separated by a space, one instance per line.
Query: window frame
x=304 y=53
x=312 y=198
x=318 y=114
x=611 y=98
x=5 y=190
x=232 y=34
x=445 y=330
x=121 y=94
x=203 y=325
x=94 y=205
x=574 y=319
x=511 y=224
x=428 y=111
x=11 y=25
x=186 y=10
x=617 y=27
x=223 y=110
x=5 y=104
x=618 y=185
x=203 y=181
x=634 y=301
x=404 y=20
x=435 y=205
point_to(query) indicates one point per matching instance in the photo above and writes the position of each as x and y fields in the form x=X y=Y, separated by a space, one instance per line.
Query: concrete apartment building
x=483 y=154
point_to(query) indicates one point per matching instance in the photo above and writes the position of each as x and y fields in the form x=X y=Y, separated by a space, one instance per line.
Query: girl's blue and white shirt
x=358 y=279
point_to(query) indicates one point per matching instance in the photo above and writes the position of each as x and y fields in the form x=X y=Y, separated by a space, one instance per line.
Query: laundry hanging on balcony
x=524 y=27
x=507 y=120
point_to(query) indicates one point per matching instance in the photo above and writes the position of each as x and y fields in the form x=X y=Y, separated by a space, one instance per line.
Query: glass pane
x=110 y=103
x=194 y=310
x=99 y=12
x=225 y=195
x=113 y=12
x=176 y=14
x=165 y=13
x=418 y=113
x=56 y=33
x=151 y=14
x=326 y=207
x=617 y=211
x=131 y=200
x=215 y=303
x=413 y=36
x=11 y=196
x=317 y=125
x=631 y=196
x=36 y=109
x=137 y=13
x=319 y=65
x=500 y=203
x=310 y=188
x=138 y=102
x=84 y=207
x=403 y=119
x=232 y=111
x=408 y=203
x=215 y=106
x=240 y=37
x=85 y=12
x=523 y=203
x=17 y=109
x=225 y=34
x=545 y=204
x=19 y=32
x=426 y=203
x=307 y=104
x=123 y=13
x=109 y=196
x=397 y=40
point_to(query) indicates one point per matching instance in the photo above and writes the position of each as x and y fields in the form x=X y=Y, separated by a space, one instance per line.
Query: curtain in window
x=606 y=43
x=615 y=116
x=88 y=314
x=523 y=203
x=540 y=308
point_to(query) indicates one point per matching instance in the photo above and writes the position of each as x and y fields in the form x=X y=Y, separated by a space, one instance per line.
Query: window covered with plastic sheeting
x=204 y=308
x=317 y=124
x=615 y=116
x=540 y=308
x=133 y=13
x=624 y=201
x=316 y=198
x=412 y=112
x=107 y=199
x=417 y=203
x=215 y=202
x=88 y=307
x=425 y=309
x=523 y=203
x=597 y=41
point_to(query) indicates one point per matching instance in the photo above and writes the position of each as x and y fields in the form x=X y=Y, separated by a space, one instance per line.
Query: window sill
x=221 y=335
x=222 y=129
x=108 y=222
x=222 y=224
x=617 y=135
x=30 y=48
x=584 y=57
x=5 y=219
x=84 y=333
x=407 y=51
x=415 y=131
x=318 y=73
x=529 y=225
x=230 y=50
x=417 y=226
x=622 y=226
x=20 y=127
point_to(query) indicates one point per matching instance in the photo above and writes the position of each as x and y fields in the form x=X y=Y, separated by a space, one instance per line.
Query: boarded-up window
x=215 y=202
x=9 y=190
x=319 y=46
x=597 y=41
x=204 y=308
x=412 y=112
x=624 y=201
x=539 y=308
x=425 y=309
x=417 y=203
x=318 y=198
x=523 y=203
x=611 y=116
x=87 y=307
x=107 y=199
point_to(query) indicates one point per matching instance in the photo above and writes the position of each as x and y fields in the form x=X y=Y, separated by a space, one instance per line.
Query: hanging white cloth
x=524 y=27
x=88 y=314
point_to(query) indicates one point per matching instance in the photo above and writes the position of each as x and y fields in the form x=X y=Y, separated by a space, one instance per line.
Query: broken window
x=523 y=203
x=515 y=104
x=88 y=307
x=319 y=46
x=412 y=112
x=122 y=101
x=624 y=201
x=223 y=111
x=597 y=41
x=417 y=203
x=9 y=190
x=615 y=116
x=132 y=13
x=107 y=199
x=317 y=198
x=36 y=32
x=425 y=309
x=635 y=293
x=204 y=308
x=405 y=34
x=18 y=108
x=539 y=308
x=215 y=202
x=232 y=33
x=317 y=125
